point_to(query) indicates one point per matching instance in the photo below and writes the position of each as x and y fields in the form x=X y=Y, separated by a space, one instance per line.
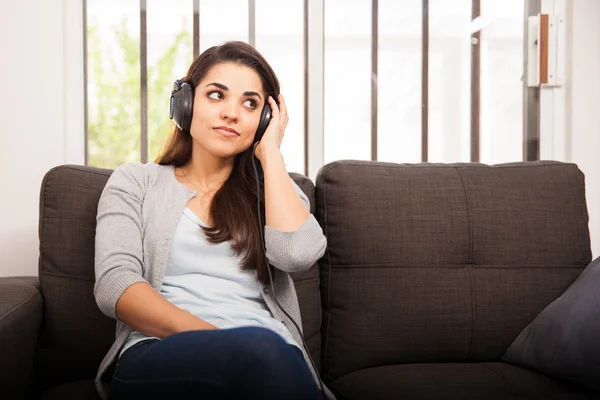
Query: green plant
x=114 y=121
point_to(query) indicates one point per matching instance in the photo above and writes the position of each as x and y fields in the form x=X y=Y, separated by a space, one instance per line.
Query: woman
x=179 y=251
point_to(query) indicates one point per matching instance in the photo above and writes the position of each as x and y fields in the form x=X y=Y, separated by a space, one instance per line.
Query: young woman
x=179 y=248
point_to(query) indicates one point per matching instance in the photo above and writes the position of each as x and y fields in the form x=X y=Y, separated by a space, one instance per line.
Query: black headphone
x=182 y=108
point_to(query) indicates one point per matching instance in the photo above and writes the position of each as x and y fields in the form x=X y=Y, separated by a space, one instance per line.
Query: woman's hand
x=187 y=321
x=271 y=140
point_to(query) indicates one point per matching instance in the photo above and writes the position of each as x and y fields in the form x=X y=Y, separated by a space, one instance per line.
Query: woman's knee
x=260 y=345
x=259 y=336
x=269 y=368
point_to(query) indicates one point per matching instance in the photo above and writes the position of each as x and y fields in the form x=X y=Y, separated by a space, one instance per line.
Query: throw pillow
x=564 y=339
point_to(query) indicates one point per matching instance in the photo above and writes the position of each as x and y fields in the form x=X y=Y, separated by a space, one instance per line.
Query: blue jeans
x=237 y=363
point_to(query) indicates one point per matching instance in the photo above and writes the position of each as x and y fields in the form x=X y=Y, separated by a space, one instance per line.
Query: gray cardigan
x=138 y=212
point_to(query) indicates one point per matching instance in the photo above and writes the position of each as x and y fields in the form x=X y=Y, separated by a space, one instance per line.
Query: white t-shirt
x=207 y=280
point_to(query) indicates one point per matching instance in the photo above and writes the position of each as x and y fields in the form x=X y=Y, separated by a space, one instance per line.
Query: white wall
x=570 y=114
x=41 y=114
x=583 y=104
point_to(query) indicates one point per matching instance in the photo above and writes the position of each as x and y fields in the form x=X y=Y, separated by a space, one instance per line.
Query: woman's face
x=227 y=107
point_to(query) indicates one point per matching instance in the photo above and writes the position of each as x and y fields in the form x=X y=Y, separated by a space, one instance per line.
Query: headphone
x=181 y=111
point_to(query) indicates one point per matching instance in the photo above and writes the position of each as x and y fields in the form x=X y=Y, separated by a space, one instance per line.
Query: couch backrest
x=75 y=335
x=443 y=263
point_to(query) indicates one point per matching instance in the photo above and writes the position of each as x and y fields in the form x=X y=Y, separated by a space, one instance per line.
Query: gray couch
x=431 y=272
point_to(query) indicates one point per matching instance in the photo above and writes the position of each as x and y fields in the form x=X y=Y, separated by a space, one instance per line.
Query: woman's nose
x=230 y=112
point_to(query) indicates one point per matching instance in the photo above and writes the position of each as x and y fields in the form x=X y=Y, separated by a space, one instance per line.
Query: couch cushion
x=307 y=287
x=466 y=381
x=443 y=262
x=21 y=309
x=75 y=335
x=78 y=390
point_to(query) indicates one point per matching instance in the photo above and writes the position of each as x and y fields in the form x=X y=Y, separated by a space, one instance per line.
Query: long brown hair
x=233 y=209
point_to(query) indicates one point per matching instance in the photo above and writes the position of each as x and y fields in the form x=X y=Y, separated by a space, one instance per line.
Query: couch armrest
x=20 y=318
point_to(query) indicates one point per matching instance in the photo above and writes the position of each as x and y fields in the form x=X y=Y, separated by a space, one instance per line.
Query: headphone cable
x=260 y=225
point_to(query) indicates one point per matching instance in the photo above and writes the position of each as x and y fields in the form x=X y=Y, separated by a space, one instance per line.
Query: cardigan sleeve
x=299 y=249
x=118 y=244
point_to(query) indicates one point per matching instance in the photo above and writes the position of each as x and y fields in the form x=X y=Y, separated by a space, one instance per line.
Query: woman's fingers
x=283 y=112
x=274 y=109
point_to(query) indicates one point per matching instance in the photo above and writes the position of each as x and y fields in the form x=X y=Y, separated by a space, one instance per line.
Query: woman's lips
x=225 y=132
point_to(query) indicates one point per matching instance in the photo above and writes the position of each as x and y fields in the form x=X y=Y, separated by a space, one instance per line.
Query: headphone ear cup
x=187 y=106
x=182 y=106
x=263 y=124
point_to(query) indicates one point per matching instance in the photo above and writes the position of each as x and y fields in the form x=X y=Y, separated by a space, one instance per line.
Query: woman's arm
x=120 y=290
x=285 y=210
x=294 y=239
x=146 y=311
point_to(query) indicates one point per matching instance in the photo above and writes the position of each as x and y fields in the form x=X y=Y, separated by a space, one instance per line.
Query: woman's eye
x=250 y=103
x=216 y=95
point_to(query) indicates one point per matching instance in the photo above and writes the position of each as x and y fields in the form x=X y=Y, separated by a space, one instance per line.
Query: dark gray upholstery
x=431 y=272
x=440 y=263
x=450 y=381
x=68 y=206
x=20 y=319
x=81 y=389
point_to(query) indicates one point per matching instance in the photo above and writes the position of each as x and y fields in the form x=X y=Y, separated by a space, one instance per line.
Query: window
x=113 y=71
x=347 y=114
x=399 y=81
x=281 y=41
x=221 y=21
x=403 y=80
x=169 y=54
x=501 y=86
